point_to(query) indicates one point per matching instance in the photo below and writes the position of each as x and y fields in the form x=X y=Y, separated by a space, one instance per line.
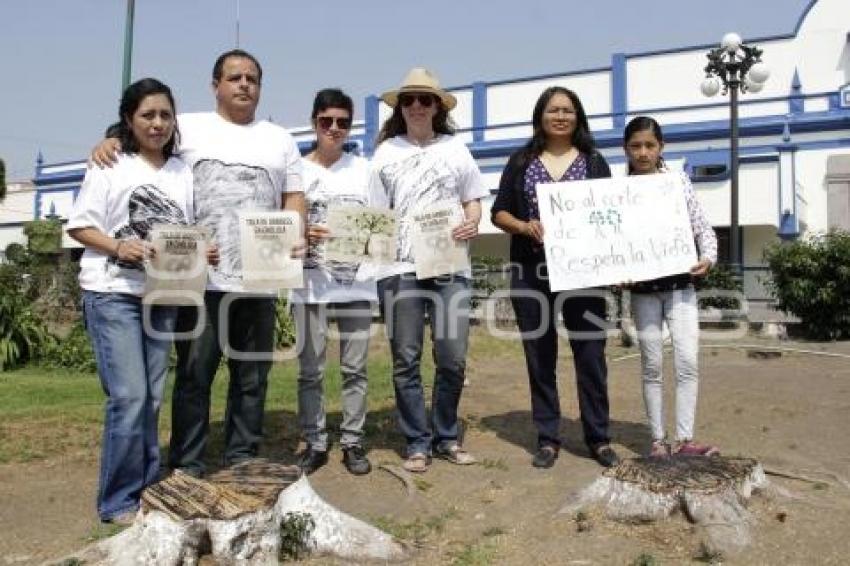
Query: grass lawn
x=56 y=414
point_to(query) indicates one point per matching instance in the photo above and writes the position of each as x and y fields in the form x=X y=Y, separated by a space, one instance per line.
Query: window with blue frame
x=710 y=165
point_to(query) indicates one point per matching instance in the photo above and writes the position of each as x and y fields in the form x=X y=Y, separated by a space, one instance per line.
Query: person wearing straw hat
x=419 y=162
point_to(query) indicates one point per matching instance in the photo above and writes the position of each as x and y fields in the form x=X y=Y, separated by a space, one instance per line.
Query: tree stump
x=236 y=516
x=711 y=492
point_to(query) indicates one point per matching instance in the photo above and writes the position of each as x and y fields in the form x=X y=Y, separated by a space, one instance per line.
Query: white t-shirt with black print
x=124 y=202
x=406 y=177
x=345 y=183
x=236 y=168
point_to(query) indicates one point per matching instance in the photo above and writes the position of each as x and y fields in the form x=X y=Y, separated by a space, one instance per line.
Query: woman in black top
x=560 y=149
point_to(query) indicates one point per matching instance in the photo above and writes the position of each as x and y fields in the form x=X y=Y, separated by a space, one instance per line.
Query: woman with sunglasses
x=561 y=148
x=332 y=178
x=420 y=162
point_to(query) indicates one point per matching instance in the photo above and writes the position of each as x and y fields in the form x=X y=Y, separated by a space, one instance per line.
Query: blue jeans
x=405 y=301
x=132 y=367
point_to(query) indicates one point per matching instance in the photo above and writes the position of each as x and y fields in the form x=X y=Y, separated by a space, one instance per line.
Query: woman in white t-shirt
x=332 y=178
x=420 y=163
x=112 y=216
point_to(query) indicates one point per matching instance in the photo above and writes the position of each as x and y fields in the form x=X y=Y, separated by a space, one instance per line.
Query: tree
x=371 y=223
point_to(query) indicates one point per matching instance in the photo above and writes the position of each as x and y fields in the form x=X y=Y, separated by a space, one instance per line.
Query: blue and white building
x=794 y=134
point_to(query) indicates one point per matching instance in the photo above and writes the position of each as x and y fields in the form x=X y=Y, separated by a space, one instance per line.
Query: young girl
x=671 y=299
x=112 y=217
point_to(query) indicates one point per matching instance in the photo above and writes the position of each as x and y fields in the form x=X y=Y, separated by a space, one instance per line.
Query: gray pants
x=679 y=309
x=311 y=322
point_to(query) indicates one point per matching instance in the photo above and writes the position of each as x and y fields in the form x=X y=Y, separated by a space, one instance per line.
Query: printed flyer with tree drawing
x=360 y=234
x=616 y=230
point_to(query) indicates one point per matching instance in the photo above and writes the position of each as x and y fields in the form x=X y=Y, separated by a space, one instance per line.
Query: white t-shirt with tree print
x=345 y=183
x=406 y=177
x=124 y=202
x=236 y=168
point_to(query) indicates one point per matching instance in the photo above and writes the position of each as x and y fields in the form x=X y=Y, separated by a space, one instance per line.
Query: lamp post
x=737 y=68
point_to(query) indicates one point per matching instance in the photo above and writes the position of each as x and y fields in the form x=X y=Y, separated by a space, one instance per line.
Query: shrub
x=48 y=282
x=16 y=253
x=295 y=532
x=22 y=334
x=811 y=279
x=73 y=352
x=44 y=236
x=284 y=326
x=486 y=274
x=722 y=278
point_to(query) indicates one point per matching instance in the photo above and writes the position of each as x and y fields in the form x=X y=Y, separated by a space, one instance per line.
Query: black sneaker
x=355 y=460
x=311 y=460
x=605 y=455
x=545 y=457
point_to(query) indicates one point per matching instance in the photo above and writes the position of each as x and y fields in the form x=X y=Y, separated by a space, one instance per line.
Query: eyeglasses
x=325 y=122
x=425 y=100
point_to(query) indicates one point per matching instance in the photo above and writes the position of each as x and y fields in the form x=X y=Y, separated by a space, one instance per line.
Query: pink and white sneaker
x=691 y=448
x=659 y=449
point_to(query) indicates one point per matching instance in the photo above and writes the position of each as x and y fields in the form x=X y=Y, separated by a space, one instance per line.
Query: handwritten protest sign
x=177 y=272
x=608 y=231
x=435 y=252
x=267 y=240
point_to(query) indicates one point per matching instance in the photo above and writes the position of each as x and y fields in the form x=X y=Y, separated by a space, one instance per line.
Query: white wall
x=18 y=204
x=823 y=54
x=810 y=168
x=514 y=102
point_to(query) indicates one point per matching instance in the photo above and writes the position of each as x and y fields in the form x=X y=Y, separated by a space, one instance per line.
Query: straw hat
x=419 y=79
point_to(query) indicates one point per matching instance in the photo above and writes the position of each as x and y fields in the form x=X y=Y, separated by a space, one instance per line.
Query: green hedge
x=810 y=278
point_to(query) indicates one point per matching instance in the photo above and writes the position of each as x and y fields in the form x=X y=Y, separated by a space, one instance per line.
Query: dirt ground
x=792 y=413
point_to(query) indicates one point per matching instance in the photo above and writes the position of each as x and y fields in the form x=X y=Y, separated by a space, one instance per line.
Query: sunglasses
x=425 y=100
x=325 y=122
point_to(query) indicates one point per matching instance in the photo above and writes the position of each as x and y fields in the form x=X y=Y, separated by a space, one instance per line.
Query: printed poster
x=435 y=251
x=267 y=240
x=177 y=272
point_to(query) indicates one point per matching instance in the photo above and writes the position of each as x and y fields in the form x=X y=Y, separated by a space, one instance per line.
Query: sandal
x=455 y=454
x=417 y=463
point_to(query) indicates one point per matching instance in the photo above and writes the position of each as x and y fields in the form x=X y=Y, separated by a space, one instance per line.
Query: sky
x=61 y=60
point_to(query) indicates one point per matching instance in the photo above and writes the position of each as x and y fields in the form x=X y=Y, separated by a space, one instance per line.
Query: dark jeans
x=239 y=329
x=536 y=312
x=405 y=301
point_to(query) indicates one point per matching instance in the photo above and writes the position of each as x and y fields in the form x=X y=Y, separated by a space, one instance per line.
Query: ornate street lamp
x=735 y=67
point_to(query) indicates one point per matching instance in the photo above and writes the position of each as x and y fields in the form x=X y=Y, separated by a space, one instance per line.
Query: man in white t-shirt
x=238 y=163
